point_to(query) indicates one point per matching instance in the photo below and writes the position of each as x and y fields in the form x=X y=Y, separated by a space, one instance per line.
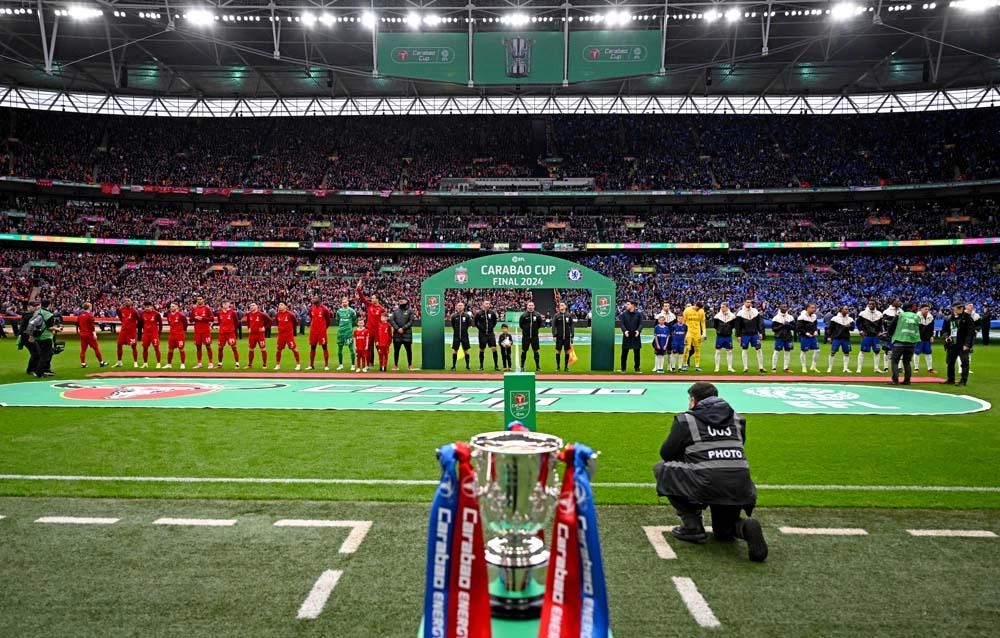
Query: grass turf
x=136 y=579
x=783 y=449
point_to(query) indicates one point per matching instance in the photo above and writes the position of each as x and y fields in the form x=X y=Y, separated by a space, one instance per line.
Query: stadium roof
x=321 y=48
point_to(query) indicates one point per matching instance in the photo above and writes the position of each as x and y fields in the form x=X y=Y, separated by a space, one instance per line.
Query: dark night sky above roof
x=808 y=54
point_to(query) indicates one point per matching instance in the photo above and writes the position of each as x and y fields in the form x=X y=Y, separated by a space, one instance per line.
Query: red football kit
x=178 y=331
x=227 y=333
x=362 y=339
x=85 y=325
x=257 y=324
x=202 y=317
x=383 y=340
x=129 y=331
x=152 y=325
x=286 y=322
x=320 y=317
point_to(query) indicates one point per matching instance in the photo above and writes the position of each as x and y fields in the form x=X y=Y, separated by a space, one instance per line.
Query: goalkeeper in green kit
x=347 y=319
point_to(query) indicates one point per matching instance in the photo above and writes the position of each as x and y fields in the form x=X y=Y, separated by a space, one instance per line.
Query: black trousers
x=44 y=356
x=725 y=518
x=32 y=348
x=635 y=345
x=396 y=345
x=902 y=352
x=506 y=358
x=958 y=353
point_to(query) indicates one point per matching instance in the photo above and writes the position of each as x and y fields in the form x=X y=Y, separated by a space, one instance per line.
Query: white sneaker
x=309 y=367
x=328 y=367
x=298 y=367
x=158 y=366
x=340 y=367
x=118 y=364
x=211 y=366
x=182 y=366
x=829 y=370
x=353 y=369
x=878 y=370
x=277 y=367
x=733 y=370
x=135 y=364
x=167 y=366
x=196 y=366
x=237 y=365
x=365 y=369
x=83 y=365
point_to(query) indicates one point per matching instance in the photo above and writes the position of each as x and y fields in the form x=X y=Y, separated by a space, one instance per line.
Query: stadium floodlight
x=327 y=20
x=711 y=15
x=368 y=19
x=413 y=19
x=975 y=6
x=733 y=15
x=432 y=20
x=200 y=18
x=80 y=12
x=309 y=20
x=517 y=19
x=844 y=11
x=616 y=18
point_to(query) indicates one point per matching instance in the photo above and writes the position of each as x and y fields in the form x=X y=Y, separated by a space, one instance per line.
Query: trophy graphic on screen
x=518 y=57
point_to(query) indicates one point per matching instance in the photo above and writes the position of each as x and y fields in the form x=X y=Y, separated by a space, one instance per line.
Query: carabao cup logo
x=520 y=404
x=603 y=306
x=461 y=275
x=432 y=305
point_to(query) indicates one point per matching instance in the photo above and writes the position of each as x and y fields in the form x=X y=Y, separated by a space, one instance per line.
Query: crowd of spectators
x=898 y=221
x=829 y=280
x=622 y=152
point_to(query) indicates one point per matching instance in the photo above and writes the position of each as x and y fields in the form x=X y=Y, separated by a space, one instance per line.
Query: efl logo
x=138 y=391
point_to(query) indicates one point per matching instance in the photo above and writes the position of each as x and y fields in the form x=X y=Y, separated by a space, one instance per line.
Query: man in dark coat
x=22 y=336
x=631 y=322
x=401 y=321
x=704 y=465
x=959 y=332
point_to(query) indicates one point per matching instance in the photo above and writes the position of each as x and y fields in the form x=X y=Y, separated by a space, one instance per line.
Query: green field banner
x=512 y=57
x=441 y=57
x=602 y=55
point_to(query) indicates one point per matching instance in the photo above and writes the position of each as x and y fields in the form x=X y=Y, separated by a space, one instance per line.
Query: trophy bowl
x=518 y=489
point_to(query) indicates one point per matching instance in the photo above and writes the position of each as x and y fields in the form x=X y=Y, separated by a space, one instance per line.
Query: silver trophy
x=517 y=57
x=518 y=489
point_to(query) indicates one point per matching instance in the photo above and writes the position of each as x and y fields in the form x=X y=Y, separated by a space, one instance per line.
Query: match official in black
x=704 y=465
x=486 y=323
x=958 y=332
x=530 y=323
x=631 y=321
x=461 y=321
x=563 y=332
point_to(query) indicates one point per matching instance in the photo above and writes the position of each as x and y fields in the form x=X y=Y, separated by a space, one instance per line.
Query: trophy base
x=516 y=608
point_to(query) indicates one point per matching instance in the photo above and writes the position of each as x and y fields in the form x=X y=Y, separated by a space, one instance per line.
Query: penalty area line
x=953 y=533
x=695 y=602
x=68 y=478
x=314 y=603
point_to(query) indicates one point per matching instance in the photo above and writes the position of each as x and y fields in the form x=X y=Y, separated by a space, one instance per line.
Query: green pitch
x=885 y=474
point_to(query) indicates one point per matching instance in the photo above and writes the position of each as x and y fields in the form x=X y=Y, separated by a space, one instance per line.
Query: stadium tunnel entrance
x=523 y=271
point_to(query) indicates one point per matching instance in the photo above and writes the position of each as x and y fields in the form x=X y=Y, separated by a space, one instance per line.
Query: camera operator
x=22 y=336
x=41 y=331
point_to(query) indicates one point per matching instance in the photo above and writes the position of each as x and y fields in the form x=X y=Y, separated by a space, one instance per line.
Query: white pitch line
x=77 y=520
x=197 y=522
x=314 y=603
x=655 y=535
x=955 y=533
x=824 y=531
x=421 y=482
x=350 y=545
x=695 y=602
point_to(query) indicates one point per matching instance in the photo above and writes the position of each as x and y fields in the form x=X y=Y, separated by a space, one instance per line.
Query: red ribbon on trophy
x=561 y=610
